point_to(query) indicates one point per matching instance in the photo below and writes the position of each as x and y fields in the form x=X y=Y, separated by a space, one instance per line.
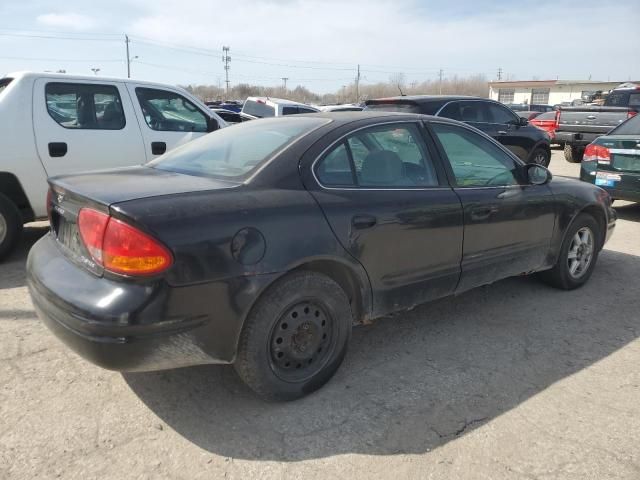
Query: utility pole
x=284 y=83
x=126 y=41
x=358 y=85
x=226 y=59
x=440 y=74
x=499 y=74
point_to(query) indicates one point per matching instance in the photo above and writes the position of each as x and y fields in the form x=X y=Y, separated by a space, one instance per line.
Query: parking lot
x=513 y=380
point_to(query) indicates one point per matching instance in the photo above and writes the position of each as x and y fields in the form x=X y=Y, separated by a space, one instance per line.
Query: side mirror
x=537 y=174
x=522 y=122
x=212 y=124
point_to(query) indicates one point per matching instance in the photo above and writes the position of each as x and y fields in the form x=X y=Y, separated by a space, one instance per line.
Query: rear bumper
x=577 y=139
x=128 y=326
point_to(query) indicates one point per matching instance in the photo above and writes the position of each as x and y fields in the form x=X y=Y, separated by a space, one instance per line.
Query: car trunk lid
x=69 y=194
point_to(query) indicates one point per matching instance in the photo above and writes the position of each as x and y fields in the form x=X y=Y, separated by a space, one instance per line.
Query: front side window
x=475 y=161
x=237 y=151
x=500 y=114
x=85 y=106
x=385 y=156
x=168 y=111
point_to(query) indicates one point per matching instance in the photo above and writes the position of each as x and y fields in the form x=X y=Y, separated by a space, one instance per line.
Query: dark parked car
x=529 y=143
x=260 y=245
x=613 y=161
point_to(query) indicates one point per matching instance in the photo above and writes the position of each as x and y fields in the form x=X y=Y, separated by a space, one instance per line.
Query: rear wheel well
x=346 y=278
x=10 y=187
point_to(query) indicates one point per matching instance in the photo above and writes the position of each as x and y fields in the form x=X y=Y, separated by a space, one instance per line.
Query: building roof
x=551 y=83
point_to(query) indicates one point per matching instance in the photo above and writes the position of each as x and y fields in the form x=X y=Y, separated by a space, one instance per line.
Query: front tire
x=10 y=226
x=578 y=255
x=573 y=154
x=540 y=156
x=295 y=337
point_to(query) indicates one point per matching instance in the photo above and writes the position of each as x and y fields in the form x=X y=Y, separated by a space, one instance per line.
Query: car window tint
x=168 y=111
x=475 y=161
x=452 y=110
x=85 y=106
x=335 y=168
x=500 y=114
x=306 y=110
x=630 y=127
x=289 y=110
x=392 y=156
x=258 y=109
x=474 y=112
x=237 y=151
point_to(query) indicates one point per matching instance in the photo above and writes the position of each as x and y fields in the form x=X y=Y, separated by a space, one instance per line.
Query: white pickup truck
x=55 y=124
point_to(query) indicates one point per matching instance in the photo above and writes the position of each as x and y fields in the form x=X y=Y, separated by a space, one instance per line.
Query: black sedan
x=262 y=244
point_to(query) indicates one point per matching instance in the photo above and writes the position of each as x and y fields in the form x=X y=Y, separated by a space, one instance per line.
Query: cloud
x=74 y=21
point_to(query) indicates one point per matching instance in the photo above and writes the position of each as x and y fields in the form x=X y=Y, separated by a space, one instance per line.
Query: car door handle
x=482 y=213
x=158 y=148
x=363 y=221
x=502 y=132
x=57 y=149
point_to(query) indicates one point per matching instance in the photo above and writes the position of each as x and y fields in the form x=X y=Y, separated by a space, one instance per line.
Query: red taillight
x=119 y=247
x=557 y=118
x=631 y=113
x=596 y=153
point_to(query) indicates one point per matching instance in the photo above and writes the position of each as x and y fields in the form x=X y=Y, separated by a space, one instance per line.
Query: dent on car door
x=508 y=222
x=383 y=197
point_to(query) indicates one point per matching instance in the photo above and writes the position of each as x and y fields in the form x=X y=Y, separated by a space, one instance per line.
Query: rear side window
x=474 y=112
x=258 y=109
x=168 y=111
x=623 y=99
x=388 y=156
x=289 y=110
x=85 y=106
x=500 y=114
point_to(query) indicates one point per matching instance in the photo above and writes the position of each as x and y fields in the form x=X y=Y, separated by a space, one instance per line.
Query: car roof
x=91 y=78
x=427 y=98
x=343 y=118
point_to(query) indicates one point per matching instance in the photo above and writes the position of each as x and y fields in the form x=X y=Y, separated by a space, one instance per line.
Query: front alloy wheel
x=580 y=253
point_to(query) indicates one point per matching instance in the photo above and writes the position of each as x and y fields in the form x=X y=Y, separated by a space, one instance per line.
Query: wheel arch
x=11 y=188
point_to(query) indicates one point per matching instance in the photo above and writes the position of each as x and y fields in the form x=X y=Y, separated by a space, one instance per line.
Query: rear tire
x=10 y=226
x=573 y=154
x=578 y=255
x=295 y=337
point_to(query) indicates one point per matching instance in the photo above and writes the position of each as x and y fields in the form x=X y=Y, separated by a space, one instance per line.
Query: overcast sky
x=318 y=43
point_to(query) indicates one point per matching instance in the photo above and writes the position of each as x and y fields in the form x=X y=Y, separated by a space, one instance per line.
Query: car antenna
x=401 y=93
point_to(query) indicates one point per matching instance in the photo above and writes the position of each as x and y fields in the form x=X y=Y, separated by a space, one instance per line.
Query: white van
x=55 y=124
x=262 y=107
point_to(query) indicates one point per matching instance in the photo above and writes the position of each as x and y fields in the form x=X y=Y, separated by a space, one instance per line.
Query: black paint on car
x=262 y=244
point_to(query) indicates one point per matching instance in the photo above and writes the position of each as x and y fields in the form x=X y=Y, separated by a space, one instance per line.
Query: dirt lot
x=515 y=380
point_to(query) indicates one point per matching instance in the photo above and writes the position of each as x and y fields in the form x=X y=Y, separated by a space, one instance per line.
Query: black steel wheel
x=295 y=336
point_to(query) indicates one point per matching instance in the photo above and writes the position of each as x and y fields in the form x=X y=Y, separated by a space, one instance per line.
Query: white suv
x=55 y=124
x=274 y=107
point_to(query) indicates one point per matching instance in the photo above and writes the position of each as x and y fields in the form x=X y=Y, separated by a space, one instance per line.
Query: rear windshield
x=234 y=152
x=623 y=99
x=399 y=106
x=630 y=127
x=3 y=83
x=258 y=109
x=518 y=108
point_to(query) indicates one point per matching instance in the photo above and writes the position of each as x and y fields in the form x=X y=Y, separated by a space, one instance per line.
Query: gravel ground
x=514 y=380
